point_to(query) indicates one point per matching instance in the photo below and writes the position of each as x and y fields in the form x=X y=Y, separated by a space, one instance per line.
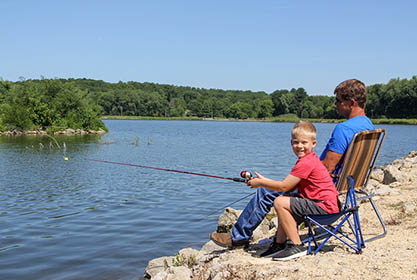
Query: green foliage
x=181 y=260
x=48 y=103
x=79 y=103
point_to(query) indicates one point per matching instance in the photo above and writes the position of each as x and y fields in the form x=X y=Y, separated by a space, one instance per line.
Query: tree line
x=79 y=103
x=47 y=104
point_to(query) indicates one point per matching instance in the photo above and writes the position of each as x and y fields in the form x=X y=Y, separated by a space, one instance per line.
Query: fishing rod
x=245 y=175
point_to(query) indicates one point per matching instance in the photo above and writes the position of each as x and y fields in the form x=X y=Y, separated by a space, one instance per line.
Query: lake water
x=79 y=219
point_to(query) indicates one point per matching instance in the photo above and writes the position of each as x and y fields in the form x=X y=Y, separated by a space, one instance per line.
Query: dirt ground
x=391 y=257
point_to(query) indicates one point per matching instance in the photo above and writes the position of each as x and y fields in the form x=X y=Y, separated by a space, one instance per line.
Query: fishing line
x=230 y=204
x=244 y=175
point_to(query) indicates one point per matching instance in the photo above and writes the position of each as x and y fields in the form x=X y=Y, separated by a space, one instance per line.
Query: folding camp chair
x=350 y=208
x=357 y=166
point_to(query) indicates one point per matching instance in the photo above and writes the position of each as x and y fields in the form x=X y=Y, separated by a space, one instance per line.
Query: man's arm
x=331 y=160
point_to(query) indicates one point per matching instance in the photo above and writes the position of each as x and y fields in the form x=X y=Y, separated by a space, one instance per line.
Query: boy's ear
x=314 y=143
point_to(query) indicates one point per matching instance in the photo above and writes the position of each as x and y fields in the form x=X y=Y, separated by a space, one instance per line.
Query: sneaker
x=291 y=252
x=273 y=249
x=225 y=240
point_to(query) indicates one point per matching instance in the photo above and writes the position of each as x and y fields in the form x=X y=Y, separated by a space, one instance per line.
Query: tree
x=46 y=103
x=265 y=109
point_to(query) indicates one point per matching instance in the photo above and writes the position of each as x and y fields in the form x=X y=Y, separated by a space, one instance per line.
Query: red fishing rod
x=244 y=174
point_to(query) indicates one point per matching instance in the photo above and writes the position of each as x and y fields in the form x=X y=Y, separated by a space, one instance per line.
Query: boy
x=317 y=195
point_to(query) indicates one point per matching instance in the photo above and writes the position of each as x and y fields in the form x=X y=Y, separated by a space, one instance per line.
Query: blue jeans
x=254 y=213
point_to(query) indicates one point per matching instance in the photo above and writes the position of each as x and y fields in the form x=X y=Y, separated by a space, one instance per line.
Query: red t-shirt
x=316 y=183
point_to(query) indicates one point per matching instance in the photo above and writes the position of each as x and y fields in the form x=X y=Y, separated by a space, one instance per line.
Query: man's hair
x=304 y=128
x=352 y=89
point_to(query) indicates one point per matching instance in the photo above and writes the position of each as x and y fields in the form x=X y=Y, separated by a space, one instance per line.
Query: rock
x=162 y=275
x=227 y=219
x=372 y=185
x=385 y=190
x=409 y=208
x=157 y=265
x=377 y=175
x=188 y=252
x=210 y=247
x=261 y=230
x=188 y=256
x=393 y=174
x=178 y=273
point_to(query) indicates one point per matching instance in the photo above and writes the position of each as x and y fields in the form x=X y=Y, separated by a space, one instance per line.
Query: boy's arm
x=331 y=160
x=288 y=184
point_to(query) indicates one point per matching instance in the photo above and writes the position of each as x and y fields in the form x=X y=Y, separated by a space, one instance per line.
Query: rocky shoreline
x=390 y=257
x=68 y=131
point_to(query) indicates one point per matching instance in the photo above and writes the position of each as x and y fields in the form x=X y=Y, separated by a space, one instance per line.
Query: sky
x=262 y=45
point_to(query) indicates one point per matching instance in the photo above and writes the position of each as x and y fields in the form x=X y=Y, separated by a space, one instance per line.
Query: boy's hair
x=352 y=89
x=304 y=128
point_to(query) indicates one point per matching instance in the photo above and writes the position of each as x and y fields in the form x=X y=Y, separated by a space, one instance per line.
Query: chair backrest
x=360 y=158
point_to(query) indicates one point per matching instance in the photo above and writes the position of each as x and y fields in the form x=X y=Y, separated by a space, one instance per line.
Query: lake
x=79 y=219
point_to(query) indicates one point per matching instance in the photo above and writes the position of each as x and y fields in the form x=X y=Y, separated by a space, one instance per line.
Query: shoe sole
x=232 y=246
x=300 y=254
x=220 y=244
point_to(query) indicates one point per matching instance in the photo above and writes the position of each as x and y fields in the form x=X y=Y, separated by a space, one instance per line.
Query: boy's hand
x=255 y=182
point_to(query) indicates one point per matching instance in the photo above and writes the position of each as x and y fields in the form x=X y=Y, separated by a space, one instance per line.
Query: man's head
x=303 y=138
x=350 y=97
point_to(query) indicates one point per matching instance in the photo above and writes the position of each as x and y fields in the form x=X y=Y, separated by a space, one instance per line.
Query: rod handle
x=239 y=180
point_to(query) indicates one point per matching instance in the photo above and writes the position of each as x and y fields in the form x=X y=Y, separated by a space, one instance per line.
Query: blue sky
x=247 y=45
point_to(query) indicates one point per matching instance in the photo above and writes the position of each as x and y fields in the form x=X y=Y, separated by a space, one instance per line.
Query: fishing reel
x=246 y=175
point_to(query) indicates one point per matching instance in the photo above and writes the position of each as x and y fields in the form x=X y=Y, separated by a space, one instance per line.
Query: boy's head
x=303 y=138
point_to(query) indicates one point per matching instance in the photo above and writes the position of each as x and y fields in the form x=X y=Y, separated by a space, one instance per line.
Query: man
x=350 y=103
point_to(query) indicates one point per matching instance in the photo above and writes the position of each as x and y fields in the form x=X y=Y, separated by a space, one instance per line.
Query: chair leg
x=352 y=228
x=333 y=233
x=381 y=221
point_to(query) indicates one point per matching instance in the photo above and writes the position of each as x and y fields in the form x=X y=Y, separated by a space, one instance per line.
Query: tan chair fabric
x=360 y=158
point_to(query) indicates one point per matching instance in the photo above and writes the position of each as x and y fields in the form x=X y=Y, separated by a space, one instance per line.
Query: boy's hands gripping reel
x=246 y=175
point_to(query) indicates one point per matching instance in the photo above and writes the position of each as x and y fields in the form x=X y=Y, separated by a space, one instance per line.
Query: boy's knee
x=279 y=202
x=282 y=202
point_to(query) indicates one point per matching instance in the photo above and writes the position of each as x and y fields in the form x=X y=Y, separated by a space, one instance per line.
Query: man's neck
x=357 y=112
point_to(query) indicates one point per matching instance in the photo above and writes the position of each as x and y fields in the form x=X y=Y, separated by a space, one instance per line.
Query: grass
x=281 y=118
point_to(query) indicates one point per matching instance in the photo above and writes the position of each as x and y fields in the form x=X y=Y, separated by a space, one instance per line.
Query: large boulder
x=393 y=174
x=227 y=219
x=158 y=265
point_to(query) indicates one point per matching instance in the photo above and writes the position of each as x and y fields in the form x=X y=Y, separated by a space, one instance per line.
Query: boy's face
x=302 y=145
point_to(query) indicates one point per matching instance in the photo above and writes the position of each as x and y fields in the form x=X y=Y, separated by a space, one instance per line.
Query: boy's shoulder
x=309 y=159
x=311 y=155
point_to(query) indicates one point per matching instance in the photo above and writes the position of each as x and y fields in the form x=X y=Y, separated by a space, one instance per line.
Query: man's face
x=343 y=106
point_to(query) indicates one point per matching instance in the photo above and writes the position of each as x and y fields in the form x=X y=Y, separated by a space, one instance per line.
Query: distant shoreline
x=291 y=119
x=273 y=119
x=68 y=131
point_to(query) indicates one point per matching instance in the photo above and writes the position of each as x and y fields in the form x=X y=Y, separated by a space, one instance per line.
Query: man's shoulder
x=356 y=124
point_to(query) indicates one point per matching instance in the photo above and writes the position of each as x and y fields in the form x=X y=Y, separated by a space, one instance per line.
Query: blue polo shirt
x=342 y=136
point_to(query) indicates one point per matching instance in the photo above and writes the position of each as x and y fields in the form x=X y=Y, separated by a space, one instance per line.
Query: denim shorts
x=300 y=207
